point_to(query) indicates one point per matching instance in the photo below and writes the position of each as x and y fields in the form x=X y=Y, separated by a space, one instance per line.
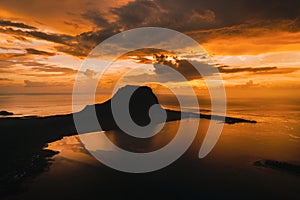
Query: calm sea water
x=36 y=104
x=281 y=112
x=227 y=171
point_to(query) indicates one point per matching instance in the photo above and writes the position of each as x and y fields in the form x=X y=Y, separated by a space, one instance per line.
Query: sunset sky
x=255 y=44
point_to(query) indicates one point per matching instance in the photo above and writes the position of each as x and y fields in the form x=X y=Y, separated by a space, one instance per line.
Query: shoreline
x=25 y=138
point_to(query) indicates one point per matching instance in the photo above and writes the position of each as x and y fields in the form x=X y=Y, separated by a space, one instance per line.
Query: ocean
x=283 y=113
x=228 y=170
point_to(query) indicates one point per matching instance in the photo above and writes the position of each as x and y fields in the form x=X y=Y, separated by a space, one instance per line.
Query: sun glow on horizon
x=38 y=53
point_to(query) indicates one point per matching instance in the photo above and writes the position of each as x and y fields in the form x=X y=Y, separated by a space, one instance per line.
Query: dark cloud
x=188 y=68
x=232 y=12
x=75 y=50
x=7 y=23
x=79 y=45
x=96 y=18
x=83 y=43
x=214 y=18
x=257 y=70
x=184 y=67
x=271 y=9
x=71 y=24
x=23 y=39
x=227 y=69
x=52 y=37
x=192 y=15
x=28 y=83
x=209 y=19
x=5 y=79
x=278 y=71
x=165 y=65
x=73 y=45
x=138 y=13
x=176 y=15
x=39 y=52
x=37 y=69
x=52 y=71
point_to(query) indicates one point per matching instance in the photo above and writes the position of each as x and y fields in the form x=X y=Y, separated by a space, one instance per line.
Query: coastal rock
x=278 y=165
x=5 y=113
x=29 y=135
x=58 y=126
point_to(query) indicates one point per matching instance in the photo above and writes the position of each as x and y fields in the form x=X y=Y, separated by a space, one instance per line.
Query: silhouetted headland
x=278 y=165
x=23 y=139
x=36 y=132
x=51 y=128
x=5 y=113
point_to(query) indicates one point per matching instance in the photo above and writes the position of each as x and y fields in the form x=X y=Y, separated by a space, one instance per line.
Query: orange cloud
x=38 y=36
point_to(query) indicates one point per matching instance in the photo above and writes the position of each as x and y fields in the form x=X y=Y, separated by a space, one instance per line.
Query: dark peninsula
x=24 y=138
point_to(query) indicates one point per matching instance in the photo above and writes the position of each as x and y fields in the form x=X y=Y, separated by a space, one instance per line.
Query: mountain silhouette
x=140 y=101
x=5 y=113
x=51 y=128
x=23 y=138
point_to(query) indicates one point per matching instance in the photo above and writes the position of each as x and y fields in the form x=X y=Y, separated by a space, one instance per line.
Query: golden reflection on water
x=239 y=143
x=71 y=147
